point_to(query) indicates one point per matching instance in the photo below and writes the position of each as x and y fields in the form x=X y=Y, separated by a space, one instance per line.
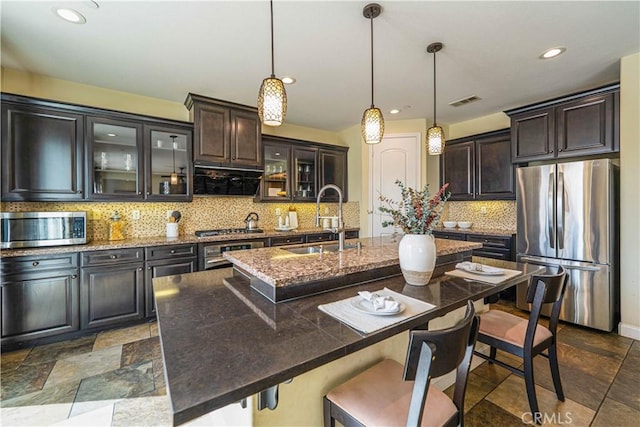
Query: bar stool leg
x=555 y=372
x=531 y=389
x=492 y=354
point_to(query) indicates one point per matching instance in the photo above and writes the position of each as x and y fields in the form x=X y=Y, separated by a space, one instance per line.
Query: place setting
x=478 y=272
x=370 y=311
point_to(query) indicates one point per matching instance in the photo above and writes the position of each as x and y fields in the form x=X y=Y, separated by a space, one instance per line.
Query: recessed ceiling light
x=552 y=53
x=394 y=111
x=69 y=15
x=113 y=134
x=288 y=80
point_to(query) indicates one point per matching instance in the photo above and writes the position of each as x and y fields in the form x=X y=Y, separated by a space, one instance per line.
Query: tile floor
x=115 y=378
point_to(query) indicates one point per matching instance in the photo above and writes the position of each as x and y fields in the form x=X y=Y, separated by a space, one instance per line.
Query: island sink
x=319 y=249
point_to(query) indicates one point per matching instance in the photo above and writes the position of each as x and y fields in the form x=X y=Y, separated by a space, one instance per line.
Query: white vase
x=417 y=253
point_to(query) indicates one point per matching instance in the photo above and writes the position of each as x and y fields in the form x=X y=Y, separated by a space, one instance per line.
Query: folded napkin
x=383 y=304
x=473 y=267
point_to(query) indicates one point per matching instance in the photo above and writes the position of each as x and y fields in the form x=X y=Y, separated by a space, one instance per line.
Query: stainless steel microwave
x=36 y=229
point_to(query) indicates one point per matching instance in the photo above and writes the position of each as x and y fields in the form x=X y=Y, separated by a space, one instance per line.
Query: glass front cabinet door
x=305 y=176
x=169 y=152
x=276 y=184
x=115 y=159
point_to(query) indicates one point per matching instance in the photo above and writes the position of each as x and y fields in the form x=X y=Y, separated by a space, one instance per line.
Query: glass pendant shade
x=272 y=102
x=435 y=140
x=372 y=126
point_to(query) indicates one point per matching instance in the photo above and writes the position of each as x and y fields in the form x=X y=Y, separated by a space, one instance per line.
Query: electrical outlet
x=135 y=214
x=483 y=209
x=278 y=212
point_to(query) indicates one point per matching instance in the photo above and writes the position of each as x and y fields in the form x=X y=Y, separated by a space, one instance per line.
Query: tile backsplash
x=500 y=214
x=201 y=214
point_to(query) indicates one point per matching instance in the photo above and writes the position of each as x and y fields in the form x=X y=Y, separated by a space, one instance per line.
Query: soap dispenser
x=116 y=227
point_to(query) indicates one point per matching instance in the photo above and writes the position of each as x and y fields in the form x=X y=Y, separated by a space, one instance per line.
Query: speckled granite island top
x=279 y=267
x=222 y=341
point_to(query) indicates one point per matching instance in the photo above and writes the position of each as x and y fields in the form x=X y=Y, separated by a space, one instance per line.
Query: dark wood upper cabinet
x=479 y=167
x=495 y=176
x=42 y=153
x=458 y=169
x=581 y=124
x=225 y=133
x=333 y=170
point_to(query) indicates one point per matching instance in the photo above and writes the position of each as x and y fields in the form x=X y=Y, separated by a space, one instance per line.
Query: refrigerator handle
x=550 y=219
x=560 y=210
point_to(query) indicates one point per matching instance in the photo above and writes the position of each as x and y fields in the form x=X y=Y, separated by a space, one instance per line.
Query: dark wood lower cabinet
x=111 y=294
x=40 y=304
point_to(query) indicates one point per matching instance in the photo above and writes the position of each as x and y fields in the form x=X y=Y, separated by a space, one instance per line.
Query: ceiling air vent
x=465 y=101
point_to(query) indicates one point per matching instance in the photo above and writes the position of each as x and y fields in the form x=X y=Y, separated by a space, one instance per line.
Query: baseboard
x=447 y=380
x=629 y=331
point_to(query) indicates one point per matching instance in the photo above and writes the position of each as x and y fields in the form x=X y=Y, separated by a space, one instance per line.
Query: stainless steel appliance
x=568 y=215
x=218 y=181
x=210 y=254
x=36 y=229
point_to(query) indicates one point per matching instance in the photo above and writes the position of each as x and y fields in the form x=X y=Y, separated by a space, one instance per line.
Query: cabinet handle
x=139 y=268
x=113 y=256
x=79 y=191
x=35 y=263
x=173 y=251
x=74 y=276
x=139 y=193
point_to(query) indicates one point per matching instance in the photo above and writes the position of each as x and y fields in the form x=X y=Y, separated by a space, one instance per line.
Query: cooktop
x=223 y=231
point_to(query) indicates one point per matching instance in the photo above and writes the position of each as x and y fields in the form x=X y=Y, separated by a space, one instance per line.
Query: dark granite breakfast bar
x=222 y=341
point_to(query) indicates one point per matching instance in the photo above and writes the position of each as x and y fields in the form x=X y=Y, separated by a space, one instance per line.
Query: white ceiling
x=165 y=49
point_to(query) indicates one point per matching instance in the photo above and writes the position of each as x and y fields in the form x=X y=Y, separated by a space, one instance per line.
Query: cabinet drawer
x=491 y=241
x=289 y=240
x=165 y=252
x=319 y=237
x=111 y=256
x=496 y=254
x=351 y=234
x=32 y=264
x=450 y=236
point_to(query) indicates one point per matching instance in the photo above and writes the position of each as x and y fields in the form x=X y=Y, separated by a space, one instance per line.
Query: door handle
x=560 y=210
x=550 y=219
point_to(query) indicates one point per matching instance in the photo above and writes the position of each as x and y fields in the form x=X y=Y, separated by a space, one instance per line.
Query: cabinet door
x=585 y=126
x=246 y=140
x=168 y=163
x=111 y=295
x=495 y=174
x=276 y=184
x=212 y=139
x=37 y=305
x=532 y=135
x=333 y=170
x=305 y=185
x=42 y=154
x=163 y=268
x=115 y=168
x=457 y=165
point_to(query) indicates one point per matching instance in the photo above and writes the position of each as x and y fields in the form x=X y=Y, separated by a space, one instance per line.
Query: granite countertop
x=140 y=242
x=474 y=230
x=278 y=267
x=222 y=341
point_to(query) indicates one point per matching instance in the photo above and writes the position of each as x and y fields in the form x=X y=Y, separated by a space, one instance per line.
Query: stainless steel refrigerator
x=568 y=215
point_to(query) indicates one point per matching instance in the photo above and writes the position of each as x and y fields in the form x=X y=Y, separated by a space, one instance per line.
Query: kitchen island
x=223 y=341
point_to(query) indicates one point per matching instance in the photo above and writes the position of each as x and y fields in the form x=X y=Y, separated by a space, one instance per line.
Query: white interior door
x=396 y=157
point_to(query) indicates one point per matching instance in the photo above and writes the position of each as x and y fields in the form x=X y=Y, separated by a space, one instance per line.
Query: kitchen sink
x=319 y=248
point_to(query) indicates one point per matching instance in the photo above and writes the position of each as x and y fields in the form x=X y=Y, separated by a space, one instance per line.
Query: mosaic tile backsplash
x=202 y=213
x=500 y=214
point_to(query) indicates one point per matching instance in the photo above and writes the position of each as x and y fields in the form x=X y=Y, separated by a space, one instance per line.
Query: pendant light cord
x=371 y=20
x=434 y=88
x=273 y=74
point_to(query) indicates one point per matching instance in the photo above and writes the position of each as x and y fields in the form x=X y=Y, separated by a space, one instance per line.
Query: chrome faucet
x=340 y=228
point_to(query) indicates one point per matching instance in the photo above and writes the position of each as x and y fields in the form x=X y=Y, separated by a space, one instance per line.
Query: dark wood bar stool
x=388 y=394
x=527 y=338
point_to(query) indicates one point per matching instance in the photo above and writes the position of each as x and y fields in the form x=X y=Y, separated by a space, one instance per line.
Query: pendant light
x=174 y=175
x=435 y=134
x=372 y=126
x=272 y=98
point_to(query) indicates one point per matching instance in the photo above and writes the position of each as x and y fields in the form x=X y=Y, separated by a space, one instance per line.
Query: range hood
x=226 y=181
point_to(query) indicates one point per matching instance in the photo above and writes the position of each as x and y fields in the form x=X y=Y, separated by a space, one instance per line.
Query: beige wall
x=488 y=123
x=629 y=200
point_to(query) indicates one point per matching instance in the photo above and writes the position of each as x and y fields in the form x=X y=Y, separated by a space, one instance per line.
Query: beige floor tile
x=12 y=360
x=121 y=336
x=85 y=365
x=80 y=408
x=100 y=417
x=143 y=412
x=511 y=396
x=153 y=329
x=33 y=416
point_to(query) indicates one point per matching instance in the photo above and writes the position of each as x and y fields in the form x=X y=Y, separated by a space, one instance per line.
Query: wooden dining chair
x=527 y=338
x=388 y=394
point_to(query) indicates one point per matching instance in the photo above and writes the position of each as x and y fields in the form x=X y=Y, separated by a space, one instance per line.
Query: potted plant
x=417 y=214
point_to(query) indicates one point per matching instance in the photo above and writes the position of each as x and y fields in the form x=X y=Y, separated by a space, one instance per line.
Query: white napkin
x=474 y=267
x=383 y=304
